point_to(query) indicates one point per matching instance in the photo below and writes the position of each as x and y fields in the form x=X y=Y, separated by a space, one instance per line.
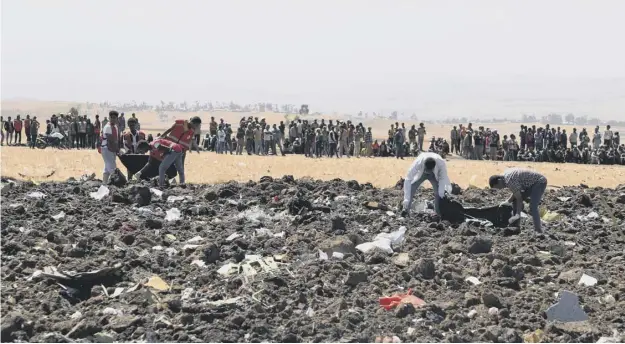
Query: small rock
x=338 y=223
x=584 y=200
x=121 y=323
x=621 y=199
x=570 y=275
x=609 y=299
x=425 y=267
x=143 y=196
x=210 y=196
x=493 y=311
x=374 y=256
x=480 y=245
x=404 y=309
x=341 y=243
x=491 y=300
x=103 y=337
x=154 y=223
x=402 y=259
x=128 y=239
x=210 y=253
x=472 y=313
x=356 y=277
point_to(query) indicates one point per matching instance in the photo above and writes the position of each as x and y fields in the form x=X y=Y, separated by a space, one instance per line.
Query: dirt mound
x=282 y=260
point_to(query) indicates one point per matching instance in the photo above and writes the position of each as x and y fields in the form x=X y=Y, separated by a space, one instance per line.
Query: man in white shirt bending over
x=428 y=166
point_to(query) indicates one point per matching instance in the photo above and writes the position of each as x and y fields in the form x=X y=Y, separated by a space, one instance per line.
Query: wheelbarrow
x=135 y=162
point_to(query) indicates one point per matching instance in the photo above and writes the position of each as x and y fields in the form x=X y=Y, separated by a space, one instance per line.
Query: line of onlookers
x=540 y=144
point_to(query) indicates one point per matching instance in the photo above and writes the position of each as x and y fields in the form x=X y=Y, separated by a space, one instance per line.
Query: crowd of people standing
x=61 y=130
x=540 y=144
x=315 y=138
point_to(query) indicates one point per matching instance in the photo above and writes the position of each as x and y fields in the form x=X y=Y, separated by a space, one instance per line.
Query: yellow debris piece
x=157 y=283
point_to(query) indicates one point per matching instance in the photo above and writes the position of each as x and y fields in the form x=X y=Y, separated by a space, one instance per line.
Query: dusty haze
x=433 y=58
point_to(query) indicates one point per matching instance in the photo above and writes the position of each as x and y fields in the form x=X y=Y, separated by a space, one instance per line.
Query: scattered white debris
x=174 y=199
x=592 y=215
x=250 y=266
x=112 y=311
x=171 y=251
x=144 y=210
x=187 y=294
x=229 y=301
x=338 y=255
x=390 y=213
x=188 y=247
x=493 y=311
x=117 y=292
x=102 y=192
x=322 y=255
x=613 y=339
x=473 y=280
x=384 y=245
x=569 y=243
x=587 y=280
x=76 y=315
x=59 y=216
x=384 y=241
x=196 y=238
x=341 y=198
x=199 y=263
x=278 y=235
x=35 y=274
x=310 y=312
x=233 y=236
x=254 y=214
x=172 y=214
x=564 y=199
x=36 y=194
x=471 y=313
x=157 y=248
x=158 y=194
x=261 y=232
x=609 y=299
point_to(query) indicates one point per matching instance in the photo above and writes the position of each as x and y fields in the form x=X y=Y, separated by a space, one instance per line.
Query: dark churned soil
x=299 y=298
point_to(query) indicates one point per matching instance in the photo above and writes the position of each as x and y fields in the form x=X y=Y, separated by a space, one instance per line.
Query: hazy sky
x=343 y=54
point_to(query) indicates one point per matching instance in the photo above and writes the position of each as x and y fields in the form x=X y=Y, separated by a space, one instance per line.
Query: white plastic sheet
x=59 y=216
x=102 y=192
x=36 y=194
x=172 y=214
x=384 y=241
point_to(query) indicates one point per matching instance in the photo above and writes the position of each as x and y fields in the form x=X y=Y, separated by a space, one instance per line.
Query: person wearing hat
x=523 y=183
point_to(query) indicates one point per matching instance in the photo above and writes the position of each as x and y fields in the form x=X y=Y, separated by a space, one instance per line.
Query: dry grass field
x=208 y=167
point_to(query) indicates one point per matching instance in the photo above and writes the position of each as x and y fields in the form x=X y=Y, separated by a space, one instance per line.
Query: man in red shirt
x=17 y=125
x=163 y=153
